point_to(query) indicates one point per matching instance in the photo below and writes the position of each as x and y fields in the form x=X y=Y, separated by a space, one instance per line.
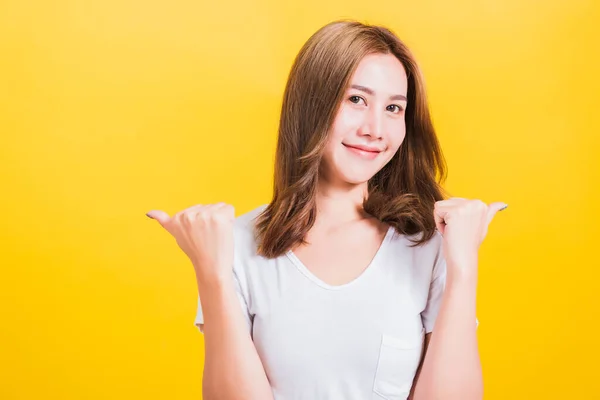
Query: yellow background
x=111 y=108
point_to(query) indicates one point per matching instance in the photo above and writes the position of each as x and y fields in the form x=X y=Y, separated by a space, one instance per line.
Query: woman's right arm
x=232 y=368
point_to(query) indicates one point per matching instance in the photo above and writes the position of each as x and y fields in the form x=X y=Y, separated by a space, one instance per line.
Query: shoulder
x=244 y=223
x=247 y=264
x=432 y=247
x=424 y=257
x=243 y=228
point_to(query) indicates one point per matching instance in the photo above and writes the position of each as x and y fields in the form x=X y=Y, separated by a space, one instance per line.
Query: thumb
x=161 y=216
x=494 y=208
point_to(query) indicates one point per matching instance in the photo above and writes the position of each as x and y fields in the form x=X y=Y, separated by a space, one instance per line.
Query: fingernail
x=148 y=215
x=504 y=208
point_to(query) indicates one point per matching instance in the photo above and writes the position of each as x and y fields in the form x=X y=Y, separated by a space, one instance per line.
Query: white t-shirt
x=357 y=341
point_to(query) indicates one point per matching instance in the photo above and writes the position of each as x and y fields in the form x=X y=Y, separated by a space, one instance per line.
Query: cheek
x=397 y=137
x=346 y=120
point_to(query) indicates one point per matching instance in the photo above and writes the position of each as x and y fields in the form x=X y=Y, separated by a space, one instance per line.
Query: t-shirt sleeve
x=436 y=291
x=199 y=321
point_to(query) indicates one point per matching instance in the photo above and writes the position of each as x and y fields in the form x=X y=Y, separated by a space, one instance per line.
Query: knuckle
x=187 y=216
x=204 y=214
x=479 y=205
x=221 y=217
x=229 y=211
x=178 y=217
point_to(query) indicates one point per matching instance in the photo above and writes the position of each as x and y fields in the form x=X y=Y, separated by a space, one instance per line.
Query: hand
x=205 y=234
x=464 y=224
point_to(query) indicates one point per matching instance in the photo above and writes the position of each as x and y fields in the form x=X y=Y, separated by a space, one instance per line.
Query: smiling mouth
x=363 y=149
x=362 y=152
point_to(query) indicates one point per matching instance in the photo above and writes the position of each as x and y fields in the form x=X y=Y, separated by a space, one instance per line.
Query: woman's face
x=369 y=126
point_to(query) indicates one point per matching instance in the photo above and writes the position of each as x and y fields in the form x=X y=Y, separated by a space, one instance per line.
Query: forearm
x=452 y=369
x=232 y=368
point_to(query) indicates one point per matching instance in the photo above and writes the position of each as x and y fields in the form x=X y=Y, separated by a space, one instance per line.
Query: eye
x=356 y=99
x=395 y=108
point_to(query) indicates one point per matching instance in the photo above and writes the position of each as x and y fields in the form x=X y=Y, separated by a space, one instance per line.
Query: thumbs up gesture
x=463 y=224
x=205 y=234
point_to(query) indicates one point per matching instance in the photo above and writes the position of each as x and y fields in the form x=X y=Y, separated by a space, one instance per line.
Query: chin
x=357 y=178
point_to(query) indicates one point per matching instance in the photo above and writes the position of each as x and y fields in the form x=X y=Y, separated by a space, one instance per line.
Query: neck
x=340 y=204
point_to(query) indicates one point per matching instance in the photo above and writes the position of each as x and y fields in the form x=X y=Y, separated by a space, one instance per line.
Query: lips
x=364 y=152
x=363 y=148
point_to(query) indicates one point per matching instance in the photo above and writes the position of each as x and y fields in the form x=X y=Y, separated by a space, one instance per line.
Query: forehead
x=383 y=73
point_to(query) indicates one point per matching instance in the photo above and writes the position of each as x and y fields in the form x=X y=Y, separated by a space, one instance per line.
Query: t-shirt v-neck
x=371 y=265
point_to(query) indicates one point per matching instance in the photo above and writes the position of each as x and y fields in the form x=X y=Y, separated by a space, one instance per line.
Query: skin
x=372 y=115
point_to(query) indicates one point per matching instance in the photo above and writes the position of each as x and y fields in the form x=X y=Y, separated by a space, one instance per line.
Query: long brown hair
x=402 y=194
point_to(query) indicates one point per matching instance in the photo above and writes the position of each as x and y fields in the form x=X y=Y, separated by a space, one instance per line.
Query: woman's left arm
x=451 y=367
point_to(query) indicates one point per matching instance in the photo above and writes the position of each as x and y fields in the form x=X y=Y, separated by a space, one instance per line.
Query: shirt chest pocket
x=398 y=362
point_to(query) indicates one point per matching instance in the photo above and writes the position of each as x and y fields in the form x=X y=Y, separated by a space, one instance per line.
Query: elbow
x=444 y=385
x=468 y=394
x=210 y=392
x=446 y=396
x=470 y=391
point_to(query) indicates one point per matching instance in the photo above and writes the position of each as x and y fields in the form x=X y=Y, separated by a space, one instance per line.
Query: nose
x=373 y=124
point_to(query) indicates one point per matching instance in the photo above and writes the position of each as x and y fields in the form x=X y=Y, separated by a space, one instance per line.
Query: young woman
x=358 y=280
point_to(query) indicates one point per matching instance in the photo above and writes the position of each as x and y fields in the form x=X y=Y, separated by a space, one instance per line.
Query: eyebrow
x=372 y=92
